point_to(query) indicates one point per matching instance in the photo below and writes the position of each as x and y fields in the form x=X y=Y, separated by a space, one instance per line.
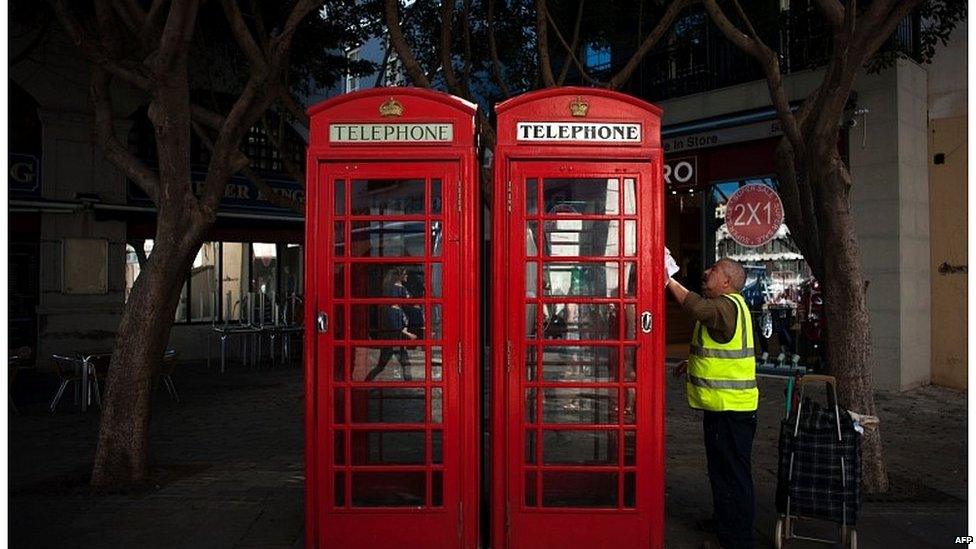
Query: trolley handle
x=831 y=382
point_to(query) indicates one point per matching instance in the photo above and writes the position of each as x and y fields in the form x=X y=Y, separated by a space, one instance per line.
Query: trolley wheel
x=852 y=539
x=779 y=534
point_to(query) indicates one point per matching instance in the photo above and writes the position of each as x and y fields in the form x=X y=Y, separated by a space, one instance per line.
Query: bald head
x=734 y=271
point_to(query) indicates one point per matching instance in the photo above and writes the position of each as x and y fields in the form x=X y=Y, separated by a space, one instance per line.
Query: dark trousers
x=728 y=446
x=386 y=353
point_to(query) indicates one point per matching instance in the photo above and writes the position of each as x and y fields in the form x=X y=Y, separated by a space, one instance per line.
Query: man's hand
x=680 y=369
x=409 y=335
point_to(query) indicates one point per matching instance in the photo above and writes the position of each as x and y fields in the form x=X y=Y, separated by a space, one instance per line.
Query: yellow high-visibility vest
x=722 y=376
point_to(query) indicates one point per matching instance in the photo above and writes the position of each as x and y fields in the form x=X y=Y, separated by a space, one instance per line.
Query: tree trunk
x=122 y=455
x=849 y=355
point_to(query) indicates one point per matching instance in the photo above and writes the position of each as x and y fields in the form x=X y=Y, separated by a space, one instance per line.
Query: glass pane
x=630 y=196
x=203 y=283
x=630 y=447
x=233 y=270
x=338 y=322
x=579 y=405
x=388 y=238
x=630 y=321
x=387 y=197
x=389 y=489
x=630 y=490
x=436 y=238
x=436 y=199
x=436 y=279
x=340 y=197
x=530 y=489
x=436 y=406
x=630 y=279
x=581 y=279
x=630 y=238
x=399 y=280
x=435 y=321
x=530 y=320
x=339 y=448
x=579 y=489
x=264 y=268
x=530 y=447
x=388 y=405
x=532 y=238
x=338 y=363
x=339 y=280
x=630 y=411
x=182 y=308
x=630 y=364
x=587 y=364
x=339 y=405
x=373 y=363
x=580 y=321
x=387 y=322
x=575 y=237
x=388 y=447
x=292 y=261
x=531 y=278
x=531 y=196
x=436 y=447
x=437 y=487
x=436 y=363
x=530 y=405
x=581 y=196
x=340 y=489
x=339 y=235
x=531 y=362
x=579 y=447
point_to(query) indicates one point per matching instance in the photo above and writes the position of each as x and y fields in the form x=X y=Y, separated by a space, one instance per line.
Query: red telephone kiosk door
x=392 y=322
x=578 y=321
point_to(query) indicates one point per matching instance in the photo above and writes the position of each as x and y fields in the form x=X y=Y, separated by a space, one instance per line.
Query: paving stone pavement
x=229 y=460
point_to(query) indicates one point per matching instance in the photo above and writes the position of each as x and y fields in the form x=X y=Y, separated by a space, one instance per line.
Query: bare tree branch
x=670 y=15
x=114 y=150
x=542 y=43
x=447 y=57
x=574 y=43
x=466 y=19
x=292 y=105
x=833 y=11
x=130 y=15
x=277 y=139
x=32 y=45
x=403 y=50
x=175 y=40
x=496 y=64
x=243 y=36
x=571 y=54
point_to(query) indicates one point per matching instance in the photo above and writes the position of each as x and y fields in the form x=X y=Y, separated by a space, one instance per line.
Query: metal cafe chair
x=73 y=370
x=241 y=327
x=166 y=369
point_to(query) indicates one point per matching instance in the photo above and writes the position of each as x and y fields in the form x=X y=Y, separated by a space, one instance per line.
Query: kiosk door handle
x=322 y=322
x=647 y=322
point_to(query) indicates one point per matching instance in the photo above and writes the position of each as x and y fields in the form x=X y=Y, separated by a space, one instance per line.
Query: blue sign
x=24 y=174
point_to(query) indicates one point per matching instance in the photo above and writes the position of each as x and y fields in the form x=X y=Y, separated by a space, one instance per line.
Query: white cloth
x=670 y=265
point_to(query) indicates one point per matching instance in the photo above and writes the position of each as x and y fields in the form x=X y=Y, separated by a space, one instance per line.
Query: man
x=721 y=381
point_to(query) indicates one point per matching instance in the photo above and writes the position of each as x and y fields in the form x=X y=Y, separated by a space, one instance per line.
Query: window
x=231 y=281
x=352 y=82
x=597 y=57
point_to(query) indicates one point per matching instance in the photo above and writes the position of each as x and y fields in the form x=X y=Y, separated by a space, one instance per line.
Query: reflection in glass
x=588 y=364
x=531 y=196
x=371 y=363
x=338 y=322
x=630 y=410
x=388 y=238
x=339 y=280
x=574 y=237
x=437 y=488
x=581 y=279
x=339 y=448
x=530 y=489
x=579 y=489
x=630 y=279
x=630 y=364
x=436 y=363
x=529 y=446
x=530 y=363
x=581 y=196
x=581 y=321
x=579 y=405
x=340 y=489
x=388 y=405
x=630 y=490
x=338 y=363
x=530 y=320
x=531 y=270
x=630 y=448
x=530 y=405
x=339 y=406
x=435 y=322
x=630 y=196
x=388 y=447
x=383 y=322
x=399 y=280
x=339 y=234
x=387 y=196
x=630 y=238
x=579 y=447
x=389 y=489
x=532 y=238
x=630 y=328
x=436 y=447
x=436 y=199
x=436 y=405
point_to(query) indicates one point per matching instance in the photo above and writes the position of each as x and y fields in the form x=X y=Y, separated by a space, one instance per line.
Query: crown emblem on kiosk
x=391 y=108
x=579 y=107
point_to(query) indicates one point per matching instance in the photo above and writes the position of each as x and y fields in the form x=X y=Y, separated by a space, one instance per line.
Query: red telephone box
x=578 y=322
x=392 y=322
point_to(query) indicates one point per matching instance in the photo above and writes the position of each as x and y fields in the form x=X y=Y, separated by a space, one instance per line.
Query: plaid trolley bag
x=819 y=472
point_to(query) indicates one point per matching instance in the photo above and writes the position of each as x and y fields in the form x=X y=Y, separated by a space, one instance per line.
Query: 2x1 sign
x=578 y=131
x=753 y=214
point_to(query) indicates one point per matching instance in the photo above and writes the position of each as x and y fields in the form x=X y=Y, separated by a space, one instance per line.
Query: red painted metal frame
x=327 y=526
x=513 y=525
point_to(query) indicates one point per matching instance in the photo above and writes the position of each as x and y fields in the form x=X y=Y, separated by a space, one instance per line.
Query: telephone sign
x=753 y=214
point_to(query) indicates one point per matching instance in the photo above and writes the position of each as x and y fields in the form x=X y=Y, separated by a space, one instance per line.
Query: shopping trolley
x=819 y=473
